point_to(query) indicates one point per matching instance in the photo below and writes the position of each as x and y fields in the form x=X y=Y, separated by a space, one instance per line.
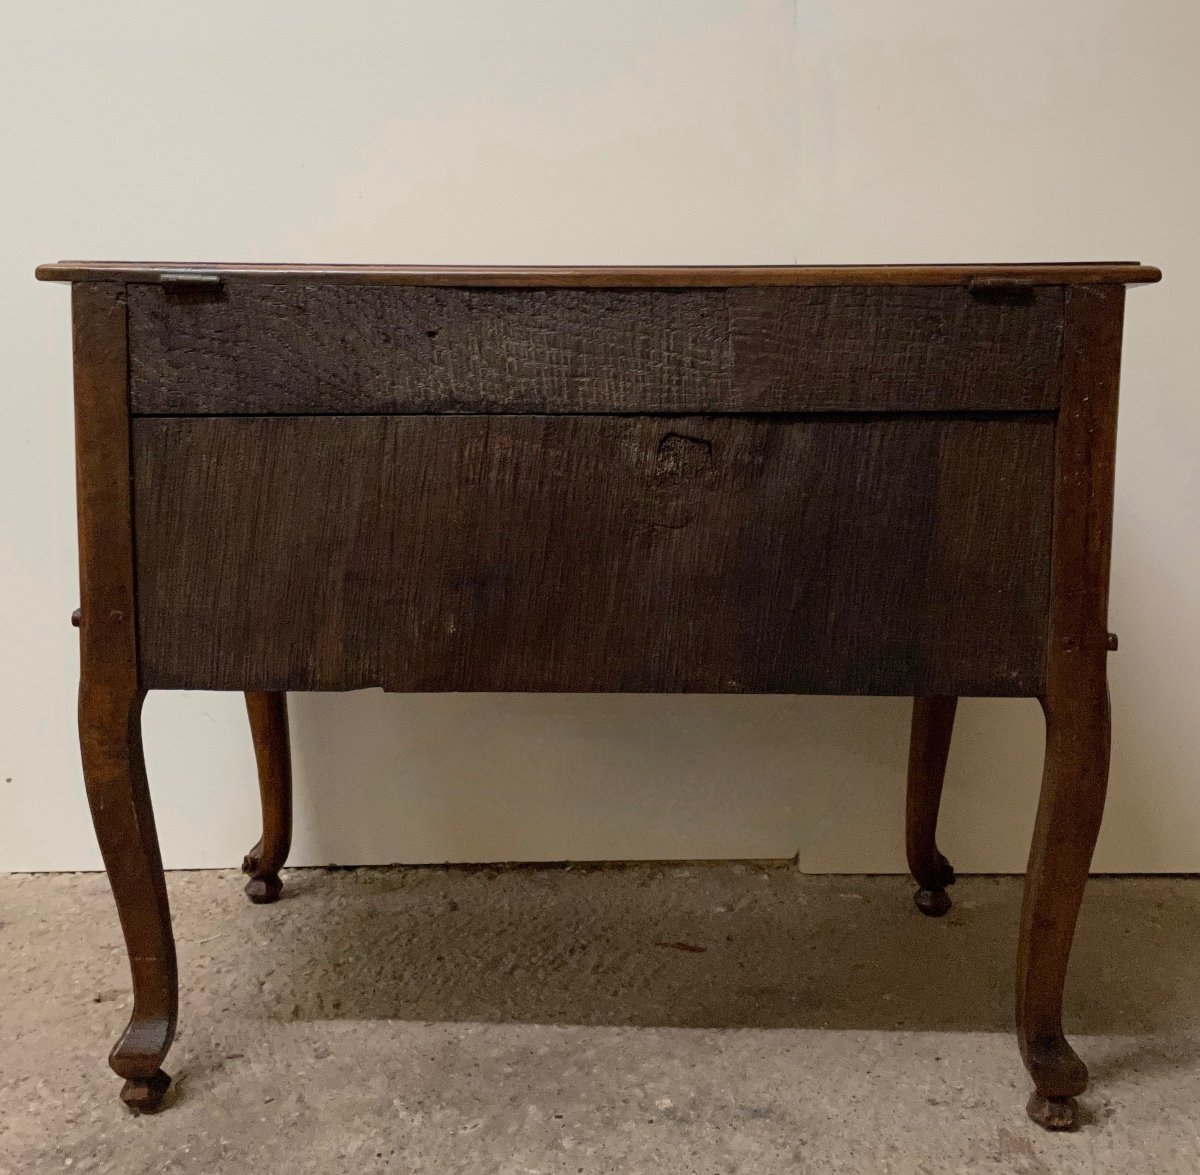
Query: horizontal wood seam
x=815 y=417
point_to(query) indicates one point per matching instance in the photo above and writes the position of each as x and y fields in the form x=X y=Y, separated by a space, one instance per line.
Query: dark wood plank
x=1038 y=273
x=248 y=347
x=301 y=348
x=1075 y=701
x=577 y=553
x=110 y=693
x=104 y=507
x=850 y=348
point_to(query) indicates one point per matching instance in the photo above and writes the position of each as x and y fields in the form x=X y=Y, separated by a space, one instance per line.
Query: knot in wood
x=681 y=456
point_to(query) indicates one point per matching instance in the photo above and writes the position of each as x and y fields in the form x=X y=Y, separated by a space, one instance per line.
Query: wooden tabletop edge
x=1043 y=273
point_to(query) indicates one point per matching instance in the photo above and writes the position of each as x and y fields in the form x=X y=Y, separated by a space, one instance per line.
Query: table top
x=1054 y=273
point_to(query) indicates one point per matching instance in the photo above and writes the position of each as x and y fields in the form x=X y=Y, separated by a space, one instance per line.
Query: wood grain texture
x=110 y=693
x=248 y=347
x=612 y=276
x=883 y=349
x=1076 y=703
x=103 y=496
x=578 y=553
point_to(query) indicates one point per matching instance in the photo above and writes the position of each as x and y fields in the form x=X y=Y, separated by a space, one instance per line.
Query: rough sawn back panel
x=582 y=553
x=249 y=347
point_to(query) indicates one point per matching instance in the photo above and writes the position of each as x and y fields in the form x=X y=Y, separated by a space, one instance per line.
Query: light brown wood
x=1075 y=700
x=110 y=695
x=1051 y=274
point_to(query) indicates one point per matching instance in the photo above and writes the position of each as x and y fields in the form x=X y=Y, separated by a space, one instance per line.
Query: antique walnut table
x=852 y=480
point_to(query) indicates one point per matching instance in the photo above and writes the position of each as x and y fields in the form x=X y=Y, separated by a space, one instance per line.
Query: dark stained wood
x=366 y=349
x=110 y=694
x=928 y=751
x=1039 y=273
x=1075 y=699
x=566 y=553
x=272 y=751
x=880 y=349
x=762 y=479
x=251 y=347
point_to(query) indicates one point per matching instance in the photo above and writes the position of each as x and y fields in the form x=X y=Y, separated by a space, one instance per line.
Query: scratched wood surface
x=576 y=553
x=246 y=347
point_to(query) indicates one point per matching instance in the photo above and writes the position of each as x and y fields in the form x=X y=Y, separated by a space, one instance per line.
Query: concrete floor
x=699 y=1019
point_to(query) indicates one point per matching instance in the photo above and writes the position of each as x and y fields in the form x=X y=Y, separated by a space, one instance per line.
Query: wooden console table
x=854 y=480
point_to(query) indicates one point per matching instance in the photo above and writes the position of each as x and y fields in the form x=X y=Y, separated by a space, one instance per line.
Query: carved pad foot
x=145 y=1095
x=1053 y=1113
x=265 y=889
x=933 y=903
x=262 y=888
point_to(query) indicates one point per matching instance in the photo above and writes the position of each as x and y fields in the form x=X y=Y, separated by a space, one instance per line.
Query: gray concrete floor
x=700 y=1019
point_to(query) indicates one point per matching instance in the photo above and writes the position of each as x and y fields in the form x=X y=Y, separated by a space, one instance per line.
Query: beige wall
x=655 y=131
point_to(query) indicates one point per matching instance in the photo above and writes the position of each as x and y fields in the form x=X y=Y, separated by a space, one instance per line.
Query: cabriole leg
x=269 y=728
x=110 y=693
x=1068 y=822
x=1075 y=699
x=115 y=775
x=929 y=748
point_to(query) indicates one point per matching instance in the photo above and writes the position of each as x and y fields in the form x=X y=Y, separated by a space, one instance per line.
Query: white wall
x=651 y=131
